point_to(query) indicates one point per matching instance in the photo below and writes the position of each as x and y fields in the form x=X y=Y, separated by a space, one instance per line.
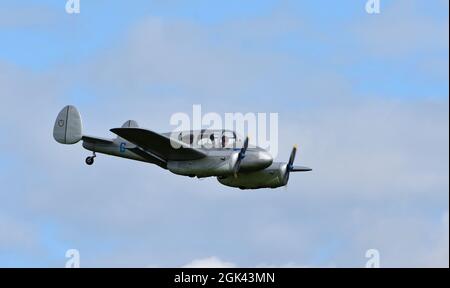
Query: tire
x=89 y=160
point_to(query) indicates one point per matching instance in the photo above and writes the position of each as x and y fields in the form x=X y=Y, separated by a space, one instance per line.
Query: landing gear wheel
x=90 y=160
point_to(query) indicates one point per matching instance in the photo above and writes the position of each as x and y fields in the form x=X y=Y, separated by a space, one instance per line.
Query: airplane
x=204 y=153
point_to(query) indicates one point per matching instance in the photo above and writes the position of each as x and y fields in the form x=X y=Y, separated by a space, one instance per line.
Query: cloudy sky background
x=364 y=96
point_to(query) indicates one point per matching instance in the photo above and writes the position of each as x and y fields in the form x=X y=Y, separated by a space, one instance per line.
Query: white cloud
x=215 y=262
x=209 y=262
x=292 y=265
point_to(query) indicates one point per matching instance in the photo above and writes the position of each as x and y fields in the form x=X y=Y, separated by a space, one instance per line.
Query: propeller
x=238 y=158
x=289 y=165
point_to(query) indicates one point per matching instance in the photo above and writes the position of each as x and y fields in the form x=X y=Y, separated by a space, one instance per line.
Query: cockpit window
x=209 y=139
x=187 y=138
x=228 y=139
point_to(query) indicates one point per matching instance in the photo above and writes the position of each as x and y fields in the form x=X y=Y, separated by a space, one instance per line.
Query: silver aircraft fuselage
x=217 y=162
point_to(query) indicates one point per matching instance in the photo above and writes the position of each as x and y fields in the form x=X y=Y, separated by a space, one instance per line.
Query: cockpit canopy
x=225 y=139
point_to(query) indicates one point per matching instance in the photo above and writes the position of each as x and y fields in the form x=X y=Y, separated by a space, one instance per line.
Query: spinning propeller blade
x=240 y=156
x=290 y=165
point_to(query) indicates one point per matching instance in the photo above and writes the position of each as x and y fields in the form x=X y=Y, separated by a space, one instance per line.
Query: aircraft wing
x=158 y=144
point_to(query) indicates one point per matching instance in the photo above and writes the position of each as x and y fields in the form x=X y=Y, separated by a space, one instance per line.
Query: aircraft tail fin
x=68 y=126
x=127 y=124
x=130 y=124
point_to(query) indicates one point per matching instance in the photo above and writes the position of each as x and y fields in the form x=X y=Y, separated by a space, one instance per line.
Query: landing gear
x=90 y=159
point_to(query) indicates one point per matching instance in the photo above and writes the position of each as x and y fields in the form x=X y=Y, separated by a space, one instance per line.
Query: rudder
x=68 y=126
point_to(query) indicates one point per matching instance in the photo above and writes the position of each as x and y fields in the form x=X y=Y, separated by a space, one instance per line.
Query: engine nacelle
x=221 y=164
x=204 y=167
x=271 y=177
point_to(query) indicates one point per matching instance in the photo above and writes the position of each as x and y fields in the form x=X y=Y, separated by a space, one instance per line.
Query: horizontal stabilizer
x=300 y=169
x=96 y=140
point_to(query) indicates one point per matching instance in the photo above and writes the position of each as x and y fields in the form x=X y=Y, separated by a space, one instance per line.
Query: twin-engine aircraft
x=205 y=153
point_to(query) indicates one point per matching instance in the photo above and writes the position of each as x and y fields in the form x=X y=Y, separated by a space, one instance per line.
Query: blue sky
x=365 y=97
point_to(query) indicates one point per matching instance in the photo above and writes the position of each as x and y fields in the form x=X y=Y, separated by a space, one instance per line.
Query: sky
x=365 y=96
